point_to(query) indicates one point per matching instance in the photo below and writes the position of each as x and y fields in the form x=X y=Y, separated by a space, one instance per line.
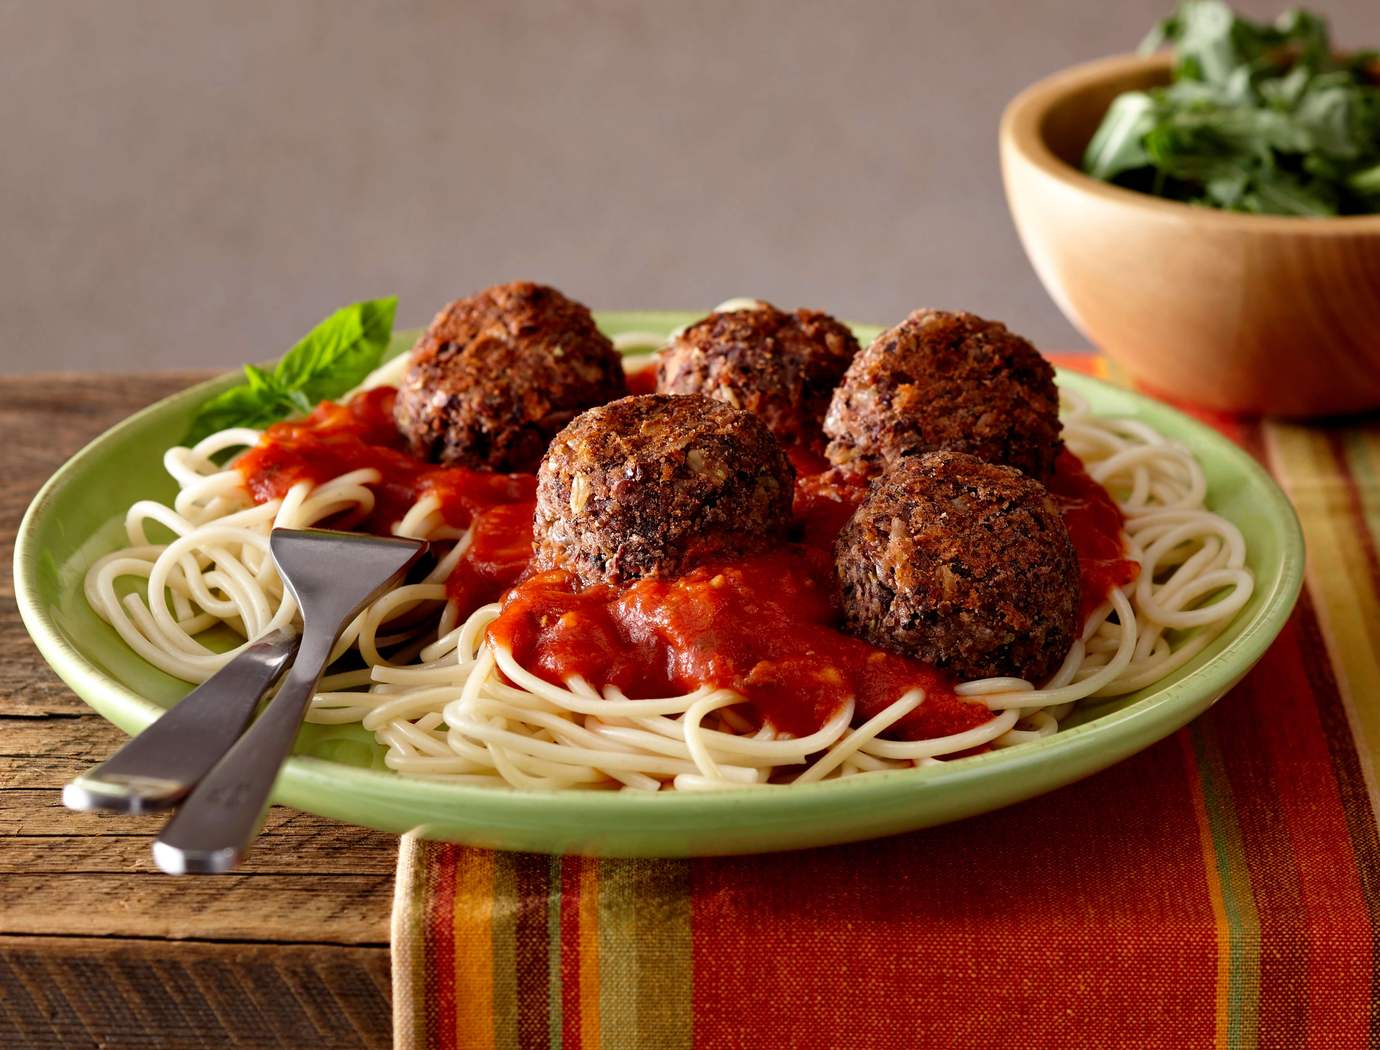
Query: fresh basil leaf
x=240 y=406
x=339 y=352
x=331 y=359
x=260 y=381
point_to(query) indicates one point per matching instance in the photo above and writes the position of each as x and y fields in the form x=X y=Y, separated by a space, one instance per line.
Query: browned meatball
x=652 y=485
x=497 y=374
x=963 y=564
x=779 y=366
x=941 y=380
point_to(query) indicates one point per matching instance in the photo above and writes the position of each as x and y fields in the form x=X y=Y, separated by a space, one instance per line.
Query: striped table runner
x=1218 y=890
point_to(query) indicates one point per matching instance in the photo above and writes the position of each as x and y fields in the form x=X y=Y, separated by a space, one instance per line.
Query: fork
x=332 y=575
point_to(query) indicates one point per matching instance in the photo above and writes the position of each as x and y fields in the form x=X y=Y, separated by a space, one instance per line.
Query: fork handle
x=164 y=762
x=212 y=831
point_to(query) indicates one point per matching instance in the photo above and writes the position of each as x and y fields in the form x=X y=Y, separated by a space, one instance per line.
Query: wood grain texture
x=97 y=948
x=65 y=992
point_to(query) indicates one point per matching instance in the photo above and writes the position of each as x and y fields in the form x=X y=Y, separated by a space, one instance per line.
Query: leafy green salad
x=1258 y=118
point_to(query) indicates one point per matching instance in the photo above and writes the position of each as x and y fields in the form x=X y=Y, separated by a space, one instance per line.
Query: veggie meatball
x=954 y=381
x=497 y=374
x=963 y=564
x=779 y=366
x=652 y=485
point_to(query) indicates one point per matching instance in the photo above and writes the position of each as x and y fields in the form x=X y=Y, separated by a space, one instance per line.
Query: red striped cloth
x=1217 y=890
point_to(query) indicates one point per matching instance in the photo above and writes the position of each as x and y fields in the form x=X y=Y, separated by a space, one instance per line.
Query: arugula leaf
x=1119 y=143
x=1366 y=182
x=1259 y=118
x=332 y=358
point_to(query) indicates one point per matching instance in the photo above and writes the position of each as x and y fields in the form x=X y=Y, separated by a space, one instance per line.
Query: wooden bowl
x=1246 y=313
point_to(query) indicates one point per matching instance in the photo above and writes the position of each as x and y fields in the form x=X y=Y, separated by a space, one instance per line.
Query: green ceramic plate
x=338 y=771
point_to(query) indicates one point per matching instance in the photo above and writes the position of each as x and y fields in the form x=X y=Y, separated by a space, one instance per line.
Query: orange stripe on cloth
x=471 y=1018
x=591 y=1036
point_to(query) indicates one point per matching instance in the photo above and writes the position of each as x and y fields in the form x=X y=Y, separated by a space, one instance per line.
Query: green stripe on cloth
x=504 y=936
x=645 y=959
x=1242 y=948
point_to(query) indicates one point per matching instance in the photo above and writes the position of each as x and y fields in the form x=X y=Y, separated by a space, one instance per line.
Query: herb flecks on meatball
x=653 y=485
x=953 y=381
x=782 y=367
x=963 y=564
x=496 y=375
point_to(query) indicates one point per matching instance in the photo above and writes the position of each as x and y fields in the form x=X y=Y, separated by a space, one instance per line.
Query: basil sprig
x=1259 y=118
x=332 y=358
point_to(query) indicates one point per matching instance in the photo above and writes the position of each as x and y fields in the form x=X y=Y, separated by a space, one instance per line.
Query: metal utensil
x=333 y=575
x=162 y=764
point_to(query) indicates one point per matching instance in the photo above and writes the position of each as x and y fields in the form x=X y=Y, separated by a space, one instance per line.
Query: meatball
x=497 y=374
x=780 y=366
x=942 y=380
x=652 y=485
x=963 y=564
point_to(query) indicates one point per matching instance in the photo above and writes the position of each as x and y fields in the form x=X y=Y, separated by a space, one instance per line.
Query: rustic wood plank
x=84 y=737
x=98 y=949
x=309 y=848
x=26 y=811
x=133 y=994
x=243 y=906
x=28 y=688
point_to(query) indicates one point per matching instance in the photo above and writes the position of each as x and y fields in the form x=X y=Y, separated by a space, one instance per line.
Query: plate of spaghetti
x=697 y=584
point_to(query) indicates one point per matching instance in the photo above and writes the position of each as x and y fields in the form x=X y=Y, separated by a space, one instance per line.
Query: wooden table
x=97 y=948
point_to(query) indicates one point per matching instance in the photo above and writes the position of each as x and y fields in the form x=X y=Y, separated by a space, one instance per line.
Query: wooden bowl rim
x=1020 y=133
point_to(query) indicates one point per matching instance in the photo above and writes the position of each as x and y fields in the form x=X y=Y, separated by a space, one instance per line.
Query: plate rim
x=1158 y=714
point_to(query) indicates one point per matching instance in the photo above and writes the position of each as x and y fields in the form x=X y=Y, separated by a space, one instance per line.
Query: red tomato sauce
x=643 y=381
x=764 y=626
x=339 y=438
x=1094 y=522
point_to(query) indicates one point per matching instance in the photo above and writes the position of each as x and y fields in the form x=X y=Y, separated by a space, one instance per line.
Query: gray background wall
x=195 y=184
